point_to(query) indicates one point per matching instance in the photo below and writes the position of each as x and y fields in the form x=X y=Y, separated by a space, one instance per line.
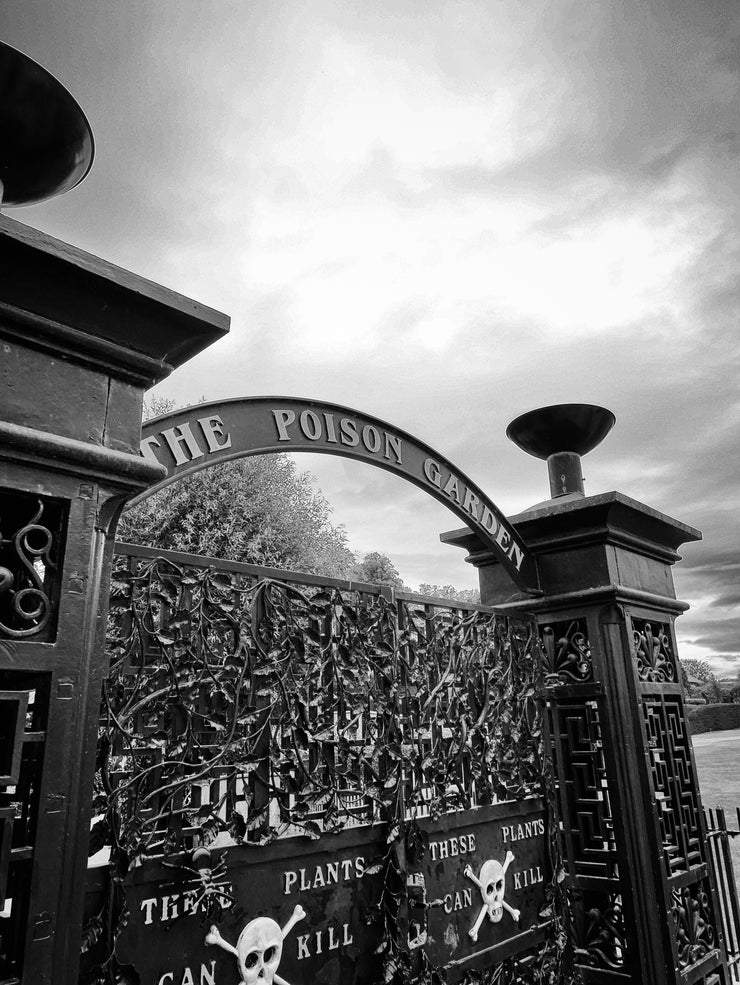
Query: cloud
x=730 y=599
x=444 y=220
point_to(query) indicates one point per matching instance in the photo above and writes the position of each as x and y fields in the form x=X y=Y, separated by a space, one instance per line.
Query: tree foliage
x=259 y=510
x=378 y=569
x=699 y=680
x=450 y=592
x=699 y=669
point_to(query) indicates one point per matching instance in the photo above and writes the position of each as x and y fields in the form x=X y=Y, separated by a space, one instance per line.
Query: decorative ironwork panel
x=31 y=545
x=567 y=653
x=656 y=661
x=249 y=704
x=692 y=920
x=674 y=782
x=246 y=707
x=601 y=940
x=586 y=809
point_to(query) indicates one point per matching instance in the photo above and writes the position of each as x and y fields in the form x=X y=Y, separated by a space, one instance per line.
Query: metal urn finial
x=46 y=144
x=561 y=434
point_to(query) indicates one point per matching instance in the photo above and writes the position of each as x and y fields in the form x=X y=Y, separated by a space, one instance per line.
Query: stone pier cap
x=80 y=341
x=603 y=542
x=121 y=317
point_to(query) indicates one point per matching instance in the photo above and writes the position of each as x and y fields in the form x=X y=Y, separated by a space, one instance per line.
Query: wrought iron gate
x=245 y=708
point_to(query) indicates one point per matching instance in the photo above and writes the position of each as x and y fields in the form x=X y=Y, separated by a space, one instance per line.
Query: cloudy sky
x=443 y=213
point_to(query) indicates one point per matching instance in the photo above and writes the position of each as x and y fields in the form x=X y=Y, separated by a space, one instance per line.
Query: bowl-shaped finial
x=46 y=144
x=561 y=434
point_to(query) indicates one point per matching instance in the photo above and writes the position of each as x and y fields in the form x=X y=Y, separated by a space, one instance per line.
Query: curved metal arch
x=193 y=438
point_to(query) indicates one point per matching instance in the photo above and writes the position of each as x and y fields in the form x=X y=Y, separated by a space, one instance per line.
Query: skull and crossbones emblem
x=491 y=881
x=259 y=948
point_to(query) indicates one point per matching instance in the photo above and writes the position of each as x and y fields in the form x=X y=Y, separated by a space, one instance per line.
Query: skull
x=492 y=888
x=259 y=949
x=491 y=884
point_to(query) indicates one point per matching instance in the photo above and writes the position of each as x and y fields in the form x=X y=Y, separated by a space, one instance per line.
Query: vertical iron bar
x=730 y=900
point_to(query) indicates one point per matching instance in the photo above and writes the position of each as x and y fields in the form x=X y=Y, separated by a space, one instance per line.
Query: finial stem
x=564 y=471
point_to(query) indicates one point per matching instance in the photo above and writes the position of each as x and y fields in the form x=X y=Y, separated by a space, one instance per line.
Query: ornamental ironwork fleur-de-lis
x=567 y=653
x=694 y=931
x=655 y=661
x=602 y=942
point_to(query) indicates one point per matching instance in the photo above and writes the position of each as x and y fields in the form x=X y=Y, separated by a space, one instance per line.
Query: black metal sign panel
x=481 y=886
x=195 y=437
x=296 y=912
x=297 y=905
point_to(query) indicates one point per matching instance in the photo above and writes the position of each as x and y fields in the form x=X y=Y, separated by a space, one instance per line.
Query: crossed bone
x=490 y=873
x=214 y=937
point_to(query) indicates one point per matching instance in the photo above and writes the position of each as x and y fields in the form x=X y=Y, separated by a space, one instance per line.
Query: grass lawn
x=718 y=763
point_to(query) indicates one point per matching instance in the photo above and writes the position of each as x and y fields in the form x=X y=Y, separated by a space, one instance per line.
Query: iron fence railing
x=720 y=855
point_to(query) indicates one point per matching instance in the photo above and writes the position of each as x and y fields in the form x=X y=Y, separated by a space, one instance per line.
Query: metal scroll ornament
x=655 y=660
x=693 y=923
x=601 y=939
x=567 y=653
x=25 y=563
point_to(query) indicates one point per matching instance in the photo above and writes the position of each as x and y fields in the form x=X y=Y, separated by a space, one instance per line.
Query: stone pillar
x=81 y=340
x=633 y=830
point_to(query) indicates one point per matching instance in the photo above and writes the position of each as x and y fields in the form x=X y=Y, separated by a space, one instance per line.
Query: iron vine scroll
x=30 y=544
x=244 y=707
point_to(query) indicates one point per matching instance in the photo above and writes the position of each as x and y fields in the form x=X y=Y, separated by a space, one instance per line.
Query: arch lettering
x=195 y=437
